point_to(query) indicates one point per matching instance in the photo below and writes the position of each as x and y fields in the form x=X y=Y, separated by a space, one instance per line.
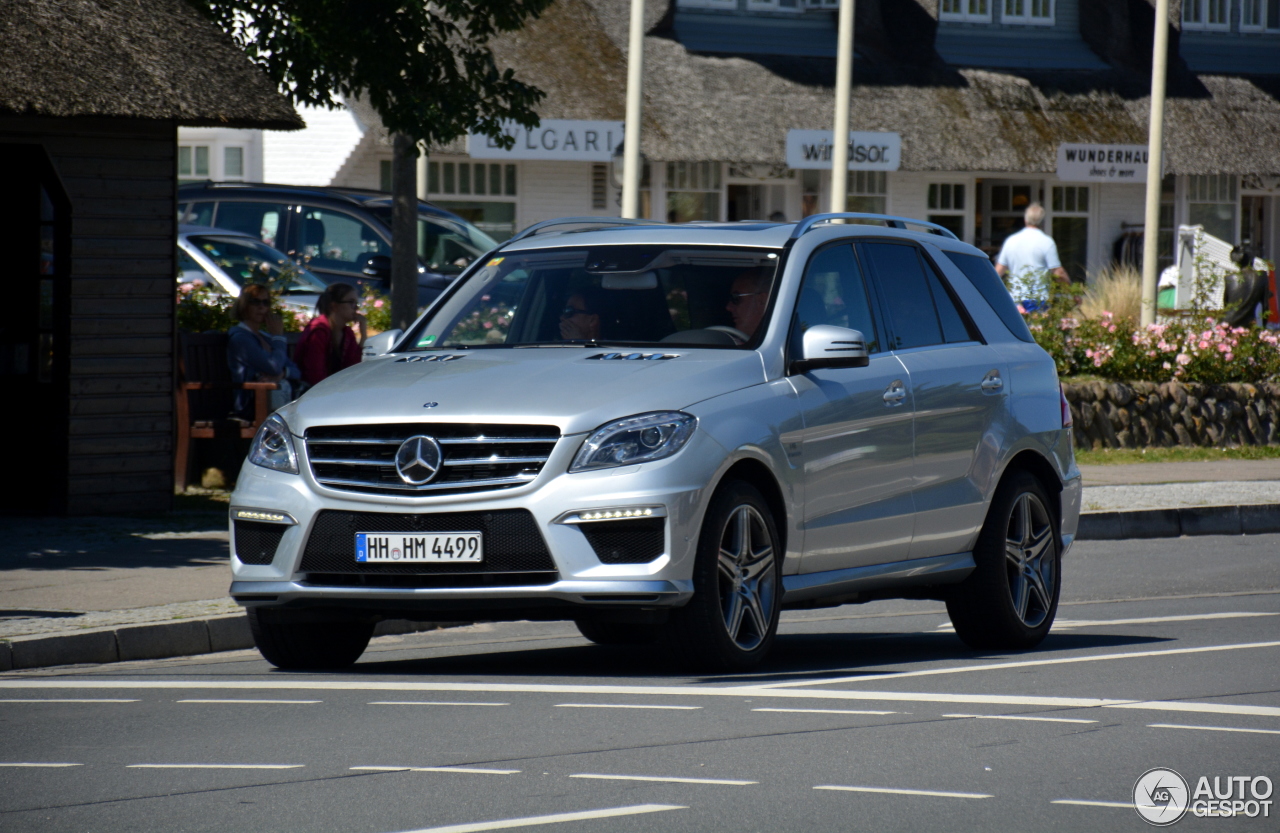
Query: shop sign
x=1102 y=163
x=811 y=150
x=563 y=140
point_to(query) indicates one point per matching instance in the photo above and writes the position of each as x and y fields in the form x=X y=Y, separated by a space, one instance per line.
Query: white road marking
x=557 y=818
x=664 y=779
x=1120 y=804
x=1214 y=728
x=466 y=769
x=1004 y=666
x=891 y=791
x=215 y=766
x=281 y=702
x=41 y=766
x=823 y=711
x=1023 y=717
x=431 y=703
x=622 y=706
x=1034 y=701
x=1061 y=624
x=70 y=700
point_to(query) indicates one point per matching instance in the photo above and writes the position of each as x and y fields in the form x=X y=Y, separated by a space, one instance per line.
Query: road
x=874 y=717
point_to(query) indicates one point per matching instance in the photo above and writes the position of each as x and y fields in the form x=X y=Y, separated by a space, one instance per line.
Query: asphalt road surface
x=875 y=717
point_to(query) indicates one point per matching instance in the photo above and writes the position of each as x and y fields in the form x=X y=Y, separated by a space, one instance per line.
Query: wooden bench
x=205 y=398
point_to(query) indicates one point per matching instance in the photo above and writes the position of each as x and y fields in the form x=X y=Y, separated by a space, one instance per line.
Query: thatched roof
x=739 y=108
x=150 y=59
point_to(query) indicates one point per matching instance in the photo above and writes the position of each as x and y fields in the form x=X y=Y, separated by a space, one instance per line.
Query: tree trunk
x=404 y=232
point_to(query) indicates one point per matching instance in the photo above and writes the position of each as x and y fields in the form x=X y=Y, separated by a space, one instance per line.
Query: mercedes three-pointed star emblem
x=418 y=460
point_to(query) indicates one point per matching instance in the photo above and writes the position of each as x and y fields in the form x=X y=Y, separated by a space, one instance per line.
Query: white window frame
x=1027 y=18
x=968 y=12
x=708 y=4
x=1260 y=24
x=1201 y=22
x=244 y=163
x=965 y=211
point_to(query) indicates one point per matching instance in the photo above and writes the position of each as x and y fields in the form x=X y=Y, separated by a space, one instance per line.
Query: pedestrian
x=257 y=356
x=1026 y=261
x=328 y=344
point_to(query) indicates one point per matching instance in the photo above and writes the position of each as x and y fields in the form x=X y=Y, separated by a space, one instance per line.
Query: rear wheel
x=1010 y=599
x=617 y=633
x=731 y=622
x=292 y=641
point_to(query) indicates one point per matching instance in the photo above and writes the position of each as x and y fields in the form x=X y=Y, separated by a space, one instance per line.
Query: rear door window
x=196 y=213
x=337 y=242
x=903 y=284
x=264 y=220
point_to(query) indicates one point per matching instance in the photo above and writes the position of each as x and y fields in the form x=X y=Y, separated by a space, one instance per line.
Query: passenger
x=257 y=357
x=578 y=321
x=748 y=297
x=328 y=344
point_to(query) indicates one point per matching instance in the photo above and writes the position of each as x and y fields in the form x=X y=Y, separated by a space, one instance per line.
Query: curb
x=160 y=640
x=1254 y=519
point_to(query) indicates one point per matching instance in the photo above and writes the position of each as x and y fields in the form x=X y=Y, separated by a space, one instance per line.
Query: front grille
x=626 y=542
x=514 y=550
x=256 y=543
x=361 y=458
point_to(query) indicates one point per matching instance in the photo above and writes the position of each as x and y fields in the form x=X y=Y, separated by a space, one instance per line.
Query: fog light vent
x=256 y=543
x=626 y=542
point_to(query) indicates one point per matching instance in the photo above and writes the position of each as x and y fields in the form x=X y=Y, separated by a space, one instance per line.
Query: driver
x=577 y=321
x=748 y=296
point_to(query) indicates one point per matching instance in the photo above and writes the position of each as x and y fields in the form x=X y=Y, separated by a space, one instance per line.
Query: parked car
x=670 y=433
x=227 y=260
x=339 y=234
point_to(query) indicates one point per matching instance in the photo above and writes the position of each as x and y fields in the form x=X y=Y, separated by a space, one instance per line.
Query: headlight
x=637 y=439
x=273 y=447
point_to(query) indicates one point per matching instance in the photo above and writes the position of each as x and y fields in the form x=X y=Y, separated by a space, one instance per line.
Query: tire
x=617 y=633
x=732 y=620
x=291 y=642
x=1010 y=599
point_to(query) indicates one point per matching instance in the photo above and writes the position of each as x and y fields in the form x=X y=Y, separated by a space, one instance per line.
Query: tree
x=427 y=68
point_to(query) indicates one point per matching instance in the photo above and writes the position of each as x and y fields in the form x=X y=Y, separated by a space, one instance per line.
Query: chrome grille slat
x=361 y=458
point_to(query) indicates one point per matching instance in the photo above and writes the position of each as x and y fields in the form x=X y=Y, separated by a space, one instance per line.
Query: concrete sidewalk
x=78 y=590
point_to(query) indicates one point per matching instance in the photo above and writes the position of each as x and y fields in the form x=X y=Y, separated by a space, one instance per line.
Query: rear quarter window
x=983 y=276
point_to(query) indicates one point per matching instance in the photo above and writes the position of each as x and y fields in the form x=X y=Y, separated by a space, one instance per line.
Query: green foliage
x=377 y=310
x=425 y=67
x=202 y=310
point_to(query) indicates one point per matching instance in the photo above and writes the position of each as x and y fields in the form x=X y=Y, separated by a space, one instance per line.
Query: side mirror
x=377 y=266
x=828 y=346
x=381 y=343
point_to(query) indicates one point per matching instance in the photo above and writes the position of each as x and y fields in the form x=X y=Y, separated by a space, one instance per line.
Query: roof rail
x=889 y=220
x=573 y=221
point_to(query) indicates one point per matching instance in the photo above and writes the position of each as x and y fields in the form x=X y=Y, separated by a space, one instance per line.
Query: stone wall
x=1142 y=414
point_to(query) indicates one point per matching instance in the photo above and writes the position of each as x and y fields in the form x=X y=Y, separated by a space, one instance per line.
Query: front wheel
x=293 y=642
x=616 y=633
x=1010 y=599
x=732 y=620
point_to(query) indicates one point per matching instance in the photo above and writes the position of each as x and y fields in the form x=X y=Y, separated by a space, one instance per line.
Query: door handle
x=992 y=383
x=895 y=393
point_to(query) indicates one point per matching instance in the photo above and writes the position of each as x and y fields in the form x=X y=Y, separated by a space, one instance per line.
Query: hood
x=562 y=386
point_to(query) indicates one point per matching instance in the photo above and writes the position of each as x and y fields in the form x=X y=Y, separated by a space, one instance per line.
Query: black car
x=339 y=234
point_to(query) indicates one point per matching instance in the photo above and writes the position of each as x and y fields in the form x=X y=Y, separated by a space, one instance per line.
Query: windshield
x=248 y=261
x=631 y=295
x=445 y=246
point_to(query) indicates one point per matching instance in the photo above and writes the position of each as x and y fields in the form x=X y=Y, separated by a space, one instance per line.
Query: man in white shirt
x=1026 y=258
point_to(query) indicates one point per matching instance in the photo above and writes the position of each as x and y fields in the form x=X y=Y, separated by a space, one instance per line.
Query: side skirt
x=876 y=579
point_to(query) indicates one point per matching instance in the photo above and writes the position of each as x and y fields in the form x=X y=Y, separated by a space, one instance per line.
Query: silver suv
x=671 y=433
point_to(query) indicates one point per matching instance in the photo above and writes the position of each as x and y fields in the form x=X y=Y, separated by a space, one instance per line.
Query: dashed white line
x=267 y=702
x=557 y=818
x=1023 y=717
x=1214 y=728
x=463 y=769
x=823 y=711
x=892 y=791
x=664 y=779
x=1199 y=708
x=40 y=766
x=431 y=703
x=622 y=706
x=70 y=700
x=215 y=766
x=1065 y=624
x=1083 y=803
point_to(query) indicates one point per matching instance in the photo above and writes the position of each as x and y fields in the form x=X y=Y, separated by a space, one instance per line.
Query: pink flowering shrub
x=377 y=310
x=200 y=309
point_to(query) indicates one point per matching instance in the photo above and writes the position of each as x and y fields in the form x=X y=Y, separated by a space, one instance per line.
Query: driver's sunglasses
x=260 y=302
x=570 y=312
x=735 y=298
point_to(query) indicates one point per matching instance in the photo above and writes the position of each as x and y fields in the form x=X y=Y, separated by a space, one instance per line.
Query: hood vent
x=448 y=357
x=635 y=357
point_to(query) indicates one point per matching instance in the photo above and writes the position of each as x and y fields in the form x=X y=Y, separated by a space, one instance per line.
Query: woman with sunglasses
x=328 y=344
x=257 y=356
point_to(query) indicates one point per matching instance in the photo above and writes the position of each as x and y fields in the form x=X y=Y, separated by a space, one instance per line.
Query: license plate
x=376 y=547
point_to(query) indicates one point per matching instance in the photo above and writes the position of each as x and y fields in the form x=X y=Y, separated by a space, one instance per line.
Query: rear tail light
x=1066 y=407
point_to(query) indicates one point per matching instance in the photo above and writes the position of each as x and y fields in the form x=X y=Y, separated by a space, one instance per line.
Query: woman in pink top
x=328 y=344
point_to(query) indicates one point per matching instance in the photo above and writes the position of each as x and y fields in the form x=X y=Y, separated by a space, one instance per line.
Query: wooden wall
x=120 y=178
